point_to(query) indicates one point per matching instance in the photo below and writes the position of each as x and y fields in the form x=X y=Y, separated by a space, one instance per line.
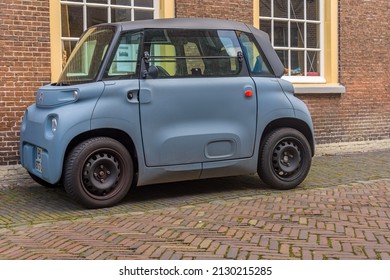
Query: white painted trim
x=322 y=89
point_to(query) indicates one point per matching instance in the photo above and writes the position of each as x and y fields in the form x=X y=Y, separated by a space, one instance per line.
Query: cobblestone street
x=341 y=211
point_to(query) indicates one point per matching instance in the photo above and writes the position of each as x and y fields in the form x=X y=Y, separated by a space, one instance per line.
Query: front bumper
x=40 y=152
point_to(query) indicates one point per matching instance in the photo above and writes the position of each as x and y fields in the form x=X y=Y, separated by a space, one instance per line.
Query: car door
x=202 y=105
x=118 y=106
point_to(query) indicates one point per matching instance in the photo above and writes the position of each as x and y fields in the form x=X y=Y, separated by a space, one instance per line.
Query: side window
x=125 y=61
x=195 y=64
x=221 y=50
x=193 y=53
x=256 y=61
x=164 y=57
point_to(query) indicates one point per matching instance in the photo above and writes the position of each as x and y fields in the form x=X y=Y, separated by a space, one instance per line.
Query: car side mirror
x=148 y=70
x=240 y=56
x=152 y=71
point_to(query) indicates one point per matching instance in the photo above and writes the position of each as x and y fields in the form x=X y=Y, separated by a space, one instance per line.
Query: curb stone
x=352 y=147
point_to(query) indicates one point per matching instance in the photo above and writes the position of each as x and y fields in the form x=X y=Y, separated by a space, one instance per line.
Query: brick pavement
x=341 y=211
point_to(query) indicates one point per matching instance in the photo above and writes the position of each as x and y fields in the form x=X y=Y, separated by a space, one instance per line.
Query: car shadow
x=37 y=204
x=216 y=188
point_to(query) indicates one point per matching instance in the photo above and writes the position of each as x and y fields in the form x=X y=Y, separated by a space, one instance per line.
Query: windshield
x=85 y=61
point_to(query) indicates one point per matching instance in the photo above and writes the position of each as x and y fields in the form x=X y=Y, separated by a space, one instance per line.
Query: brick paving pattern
x=342 y=211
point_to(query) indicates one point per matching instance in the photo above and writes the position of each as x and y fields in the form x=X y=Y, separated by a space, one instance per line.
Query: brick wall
x=240 y=10
x=24 y=66
x=363 y=112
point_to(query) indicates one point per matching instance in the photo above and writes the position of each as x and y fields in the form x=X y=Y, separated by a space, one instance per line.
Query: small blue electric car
x=166 y=100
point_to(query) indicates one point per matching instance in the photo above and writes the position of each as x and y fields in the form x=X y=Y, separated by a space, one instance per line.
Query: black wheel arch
x=294 y=123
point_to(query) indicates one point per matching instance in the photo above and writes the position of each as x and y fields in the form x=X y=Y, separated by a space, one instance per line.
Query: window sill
x=320 y=89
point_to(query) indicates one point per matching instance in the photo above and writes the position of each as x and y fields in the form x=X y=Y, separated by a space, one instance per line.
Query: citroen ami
x=166 y=100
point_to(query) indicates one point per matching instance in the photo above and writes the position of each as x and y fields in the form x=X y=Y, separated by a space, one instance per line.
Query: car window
x=164 y=58
x=124 y=63
x=193 y=53
x=85 y=62
x=195 y=61
x=256 y=61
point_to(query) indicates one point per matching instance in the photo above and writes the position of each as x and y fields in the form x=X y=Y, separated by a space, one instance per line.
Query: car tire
x=285 y=158
x=98 y=172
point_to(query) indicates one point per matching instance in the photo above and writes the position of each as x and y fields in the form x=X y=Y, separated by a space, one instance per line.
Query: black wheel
x=98 y=172
x=285 y=159
x=43 y=182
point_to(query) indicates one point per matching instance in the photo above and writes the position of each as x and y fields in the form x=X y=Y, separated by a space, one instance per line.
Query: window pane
x=297 y=9
x=200 y=52
x=96 y=16
x=143 y=3
x=256 y=62
x=71 y=21
x=312 y=10
x=313 y=62
x=265 y=25
x=297 y=34
x=281 y=34
x=121 y=2
x=164 y=57
x=120 y=15
x=265 y=8
x=140 y=15
x=283 y=55
x=194 y=65
x=280 y=8
x=124 y=63
x=225 y=45
x=67 y=48
x=97 y=1
x=313 y=35
x=86 y=59
x=297 y=63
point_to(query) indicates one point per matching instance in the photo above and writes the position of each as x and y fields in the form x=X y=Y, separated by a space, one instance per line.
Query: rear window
x=257 y=64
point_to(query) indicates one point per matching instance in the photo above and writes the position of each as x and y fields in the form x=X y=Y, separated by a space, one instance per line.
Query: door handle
x=132 y=95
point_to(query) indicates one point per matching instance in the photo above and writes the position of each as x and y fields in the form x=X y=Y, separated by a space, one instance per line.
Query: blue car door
x=202 y=105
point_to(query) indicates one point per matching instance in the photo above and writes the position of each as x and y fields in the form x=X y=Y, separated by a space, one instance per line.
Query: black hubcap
x=286 y=159
x=101 y=174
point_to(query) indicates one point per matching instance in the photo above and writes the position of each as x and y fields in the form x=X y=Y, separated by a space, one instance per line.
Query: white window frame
x=300 y=79
x=84 y=4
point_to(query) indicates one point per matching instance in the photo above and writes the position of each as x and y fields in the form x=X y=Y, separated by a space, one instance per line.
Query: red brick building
x=335 y=52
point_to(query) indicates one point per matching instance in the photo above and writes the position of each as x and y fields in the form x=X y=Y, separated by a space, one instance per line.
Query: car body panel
x=197 y=120
x=72 y=118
